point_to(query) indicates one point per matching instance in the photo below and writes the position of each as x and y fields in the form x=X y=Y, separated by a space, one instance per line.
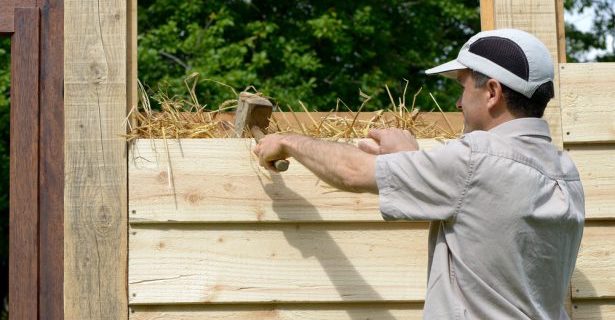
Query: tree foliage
x=310 y=51
x=580 y=43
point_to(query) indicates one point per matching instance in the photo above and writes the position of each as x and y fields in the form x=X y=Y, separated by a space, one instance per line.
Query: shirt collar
x=523 y=127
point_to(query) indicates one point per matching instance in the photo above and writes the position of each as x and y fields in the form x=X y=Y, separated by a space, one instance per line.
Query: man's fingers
x=375 y=134
x=369 y=146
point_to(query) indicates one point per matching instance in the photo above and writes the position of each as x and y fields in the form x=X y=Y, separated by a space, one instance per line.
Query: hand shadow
x=349 y=283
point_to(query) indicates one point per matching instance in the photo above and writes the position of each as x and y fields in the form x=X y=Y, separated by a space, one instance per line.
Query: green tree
x=580 y=43
x=313 y=51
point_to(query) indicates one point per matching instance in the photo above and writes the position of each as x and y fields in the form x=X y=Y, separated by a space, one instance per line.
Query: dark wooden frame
x=36 y=240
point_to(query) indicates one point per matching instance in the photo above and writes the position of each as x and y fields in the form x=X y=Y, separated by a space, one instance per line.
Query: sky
x=583 y=22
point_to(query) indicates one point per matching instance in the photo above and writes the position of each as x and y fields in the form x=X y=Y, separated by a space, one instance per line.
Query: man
x=507 y=208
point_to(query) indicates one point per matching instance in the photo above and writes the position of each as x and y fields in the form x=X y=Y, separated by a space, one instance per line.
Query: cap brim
x=448 y=69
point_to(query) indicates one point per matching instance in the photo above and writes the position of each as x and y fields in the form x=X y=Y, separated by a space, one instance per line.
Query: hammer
x=253 y=113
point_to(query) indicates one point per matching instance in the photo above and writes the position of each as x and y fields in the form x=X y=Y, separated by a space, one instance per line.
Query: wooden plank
x=277 y=263
x=24 y=153
x=597 y=169
x=95 y=222
x=51 y=165
x=595 y=268
x=345 y=311
x=131 y=55
x=198 y=180
x=7 y=16
x=487 y=15
x=588 y=102
x=538 y=18
x=593 y=310
x=561 y=32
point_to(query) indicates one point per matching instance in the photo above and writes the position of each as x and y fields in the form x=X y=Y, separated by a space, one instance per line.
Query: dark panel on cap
x=504 y=52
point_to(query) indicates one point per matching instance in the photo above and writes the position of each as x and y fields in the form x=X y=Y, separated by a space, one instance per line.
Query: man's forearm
x=341 y=165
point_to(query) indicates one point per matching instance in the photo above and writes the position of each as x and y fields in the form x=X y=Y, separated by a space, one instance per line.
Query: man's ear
x=494 y=89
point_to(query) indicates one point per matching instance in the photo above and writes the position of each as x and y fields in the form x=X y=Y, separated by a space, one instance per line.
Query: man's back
x=508 y=246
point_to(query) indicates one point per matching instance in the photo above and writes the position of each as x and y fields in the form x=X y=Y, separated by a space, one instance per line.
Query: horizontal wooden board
x=596 y=165
x=308 y=262
x=344 y=311
x=593 y=310
x=588 y=102
x=594 y=275
x=199 y=180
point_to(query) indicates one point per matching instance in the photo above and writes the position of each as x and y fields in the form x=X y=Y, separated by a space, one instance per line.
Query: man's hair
x=519 y=105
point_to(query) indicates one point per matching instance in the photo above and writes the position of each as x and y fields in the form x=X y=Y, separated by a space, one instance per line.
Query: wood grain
x=7 y=16
x=540 y=19
x=595 y=268
x=487 y=15
x=95 y=223
x=596 y=166
x=312 y=311
x=305 y=262
x=197 y=180
x=51 y=197
x=588 y=102
x=24 y=153
x=593 y=310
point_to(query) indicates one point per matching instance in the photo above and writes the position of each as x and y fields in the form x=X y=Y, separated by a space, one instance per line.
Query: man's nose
x=458 y=104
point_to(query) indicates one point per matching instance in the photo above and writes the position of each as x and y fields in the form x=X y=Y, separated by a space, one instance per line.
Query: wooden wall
x=210 y=228
x=588 y=123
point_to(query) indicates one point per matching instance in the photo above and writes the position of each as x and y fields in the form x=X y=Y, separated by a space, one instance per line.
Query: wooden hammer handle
x=280 y=165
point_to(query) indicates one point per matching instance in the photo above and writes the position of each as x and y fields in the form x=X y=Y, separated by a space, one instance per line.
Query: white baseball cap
x=515 y=58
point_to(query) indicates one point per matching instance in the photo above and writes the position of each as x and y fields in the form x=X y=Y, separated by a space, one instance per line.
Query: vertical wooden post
x=539 y=18
x=24 y=152
x=51 y=164
x=95 y=190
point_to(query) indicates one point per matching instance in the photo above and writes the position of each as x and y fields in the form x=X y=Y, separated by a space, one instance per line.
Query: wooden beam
x=7 y=16
x=588 y=102
x=51 y=164
x=132 y=61
x=95 y=223
x=538 y=18
x=307 y=262
x=312 y=311
x=218 y=180
x=561 y=32
x=24 y=155
x=487 y=15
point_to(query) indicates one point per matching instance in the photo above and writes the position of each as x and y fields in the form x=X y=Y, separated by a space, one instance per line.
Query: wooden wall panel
x=595 y=266
x=7 y=16
x=24 y=157
x=220 y=180
x=277 y=262
x=95 y=217
x=588 y=102
x=540 y=19
x=596 y=165
x=593 y=310
x=345 y=311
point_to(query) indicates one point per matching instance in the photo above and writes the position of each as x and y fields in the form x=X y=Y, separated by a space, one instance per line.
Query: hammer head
x=252 y=110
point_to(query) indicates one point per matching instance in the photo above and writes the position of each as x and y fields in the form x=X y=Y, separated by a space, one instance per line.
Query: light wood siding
x=219 y=180
x=95 y=222
x=588 y=102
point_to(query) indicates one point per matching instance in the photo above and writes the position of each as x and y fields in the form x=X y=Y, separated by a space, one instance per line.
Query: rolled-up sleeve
x=424 y=185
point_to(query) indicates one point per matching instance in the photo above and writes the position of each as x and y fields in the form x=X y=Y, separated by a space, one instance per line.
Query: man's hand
x=391 y=140
x=270 y=149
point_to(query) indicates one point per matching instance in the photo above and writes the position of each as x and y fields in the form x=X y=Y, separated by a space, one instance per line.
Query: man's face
x=473 y=102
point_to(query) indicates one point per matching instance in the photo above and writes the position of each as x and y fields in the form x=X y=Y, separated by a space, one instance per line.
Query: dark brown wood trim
x=7 y=13
x=51 y=164
x=23 y=237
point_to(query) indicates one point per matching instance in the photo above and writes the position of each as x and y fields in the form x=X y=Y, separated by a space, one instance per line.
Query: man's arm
x=341 y=165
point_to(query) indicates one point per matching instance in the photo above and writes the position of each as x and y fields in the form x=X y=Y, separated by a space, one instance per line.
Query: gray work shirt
x=507 y=211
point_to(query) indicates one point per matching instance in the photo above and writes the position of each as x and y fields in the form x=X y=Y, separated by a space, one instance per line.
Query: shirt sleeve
x=423 y=185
